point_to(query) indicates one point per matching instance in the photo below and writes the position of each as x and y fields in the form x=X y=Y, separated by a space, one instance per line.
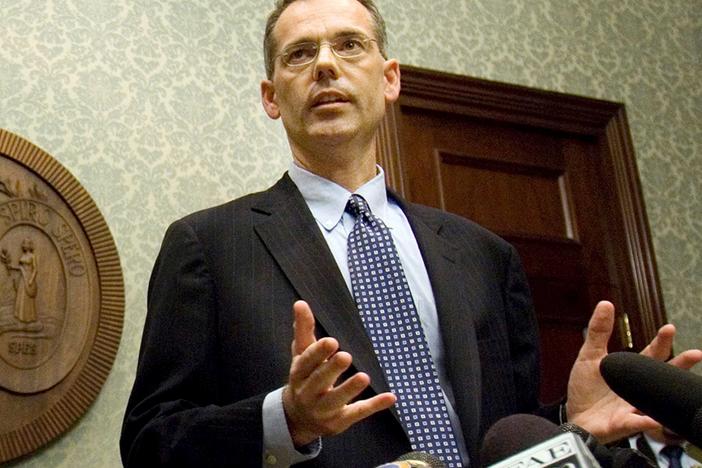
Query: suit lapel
x=454 y=308
x=289 y=231
x=644 y=447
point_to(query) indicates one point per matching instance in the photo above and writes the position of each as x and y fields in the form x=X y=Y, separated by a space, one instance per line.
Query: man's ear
x=268 y=99
x=391 y=71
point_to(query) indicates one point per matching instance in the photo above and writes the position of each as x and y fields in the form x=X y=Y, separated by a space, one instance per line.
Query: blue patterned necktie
x=674 y=454
x=390 y=318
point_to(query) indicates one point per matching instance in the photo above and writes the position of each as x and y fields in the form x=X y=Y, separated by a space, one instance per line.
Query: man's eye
x=296 y=53
x=301 y=53
x=351 y=44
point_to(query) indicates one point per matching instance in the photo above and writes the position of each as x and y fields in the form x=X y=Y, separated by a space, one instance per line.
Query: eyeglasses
x=344 y=47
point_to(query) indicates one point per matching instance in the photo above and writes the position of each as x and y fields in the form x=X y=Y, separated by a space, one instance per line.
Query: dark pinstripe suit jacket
x=219 y=327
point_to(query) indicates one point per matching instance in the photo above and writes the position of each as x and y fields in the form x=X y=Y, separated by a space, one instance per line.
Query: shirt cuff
x=278 y=447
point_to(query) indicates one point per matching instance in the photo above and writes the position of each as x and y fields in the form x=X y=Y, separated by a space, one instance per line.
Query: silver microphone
x=415 y=460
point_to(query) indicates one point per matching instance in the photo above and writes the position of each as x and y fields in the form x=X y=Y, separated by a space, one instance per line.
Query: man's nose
x=326 y=63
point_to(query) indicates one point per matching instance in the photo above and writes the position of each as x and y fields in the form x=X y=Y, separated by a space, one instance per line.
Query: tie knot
x=357 y=206
x=672 y=452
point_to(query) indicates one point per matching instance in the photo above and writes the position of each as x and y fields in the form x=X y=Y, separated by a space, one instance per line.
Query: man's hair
x=269 y=45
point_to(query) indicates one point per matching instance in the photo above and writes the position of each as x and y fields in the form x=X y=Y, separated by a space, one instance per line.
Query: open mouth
x=329 y=100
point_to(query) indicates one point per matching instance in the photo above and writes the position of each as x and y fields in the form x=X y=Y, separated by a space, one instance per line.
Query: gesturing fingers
x=315 y=406
x=662 y=344
x=661 y=347
x=687 y=359
x=346 y=391
x=363 y=408
x=303 y=328
x=312 y=358
x=333 y=411
x=350 y=414
x=315 y=402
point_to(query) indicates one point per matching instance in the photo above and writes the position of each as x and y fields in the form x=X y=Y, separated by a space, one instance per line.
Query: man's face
x=331 y=100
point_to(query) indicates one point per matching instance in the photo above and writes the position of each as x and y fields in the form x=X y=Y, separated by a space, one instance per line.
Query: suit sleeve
x=176 y=415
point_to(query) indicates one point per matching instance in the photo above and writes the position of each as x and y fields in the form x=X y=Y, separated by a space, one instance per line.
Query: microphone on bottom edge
x=523 y=440
x=565 y=450
x=415 y=460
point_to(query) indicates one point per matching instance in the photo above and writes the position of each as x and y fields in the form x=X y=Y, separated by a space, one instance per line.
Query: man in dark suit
x=228 y=376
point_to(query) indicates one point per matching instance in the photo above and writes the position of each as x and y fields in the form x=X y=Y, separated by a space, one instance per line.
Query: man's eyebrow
x=341 y=33
x=351 y=32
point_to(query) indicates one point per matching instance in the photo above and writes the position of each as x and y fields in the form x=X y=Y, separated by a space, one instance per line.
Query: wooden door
x=553 y=174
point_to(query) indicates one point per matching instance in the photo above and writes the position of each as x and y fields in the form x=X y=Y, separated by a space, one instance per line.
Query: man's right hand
x=314 y=405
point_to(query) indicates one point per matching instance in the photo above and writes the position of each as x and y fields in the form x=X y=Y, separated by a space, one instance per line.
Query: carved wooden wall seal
x=61 y=298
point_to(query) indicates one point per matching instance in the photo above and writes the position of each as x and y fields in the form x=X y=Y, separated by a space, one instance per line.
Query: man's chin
x=333 y=133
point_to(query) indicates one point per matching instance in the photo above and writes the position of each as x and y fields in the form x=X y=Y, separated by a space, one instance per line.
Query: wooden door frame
x=604 y=121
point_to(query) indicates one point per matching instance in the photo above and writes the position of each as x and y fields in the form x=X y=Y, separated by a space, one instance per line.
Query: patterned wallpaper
x=153 y=105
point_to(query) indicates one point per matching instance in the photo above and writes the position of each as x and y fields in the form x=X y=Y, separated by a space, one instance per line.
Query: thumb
x=599 y=330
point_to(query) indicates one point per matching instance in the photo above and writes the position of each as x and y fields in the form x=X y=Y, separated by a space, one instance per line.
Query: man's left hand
x=591 y=404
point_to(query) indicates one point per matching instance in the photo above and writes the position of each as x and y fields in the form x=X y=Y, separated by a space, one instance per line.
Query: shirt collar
x=327 y=199
x=656 y=446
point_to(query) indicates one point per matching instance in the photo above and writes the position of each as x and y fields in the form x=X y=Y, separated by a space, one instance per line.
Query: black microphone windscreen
x=513 y=434
x=670 y=395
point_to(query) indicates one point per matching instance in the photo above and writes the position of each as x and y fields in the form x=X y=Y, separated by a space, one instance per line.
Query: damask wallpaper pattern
x=153 y=105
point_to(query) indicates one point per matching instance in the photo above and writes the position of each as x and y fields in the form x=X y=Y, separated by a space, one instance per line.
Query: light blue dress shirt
x=327 y=202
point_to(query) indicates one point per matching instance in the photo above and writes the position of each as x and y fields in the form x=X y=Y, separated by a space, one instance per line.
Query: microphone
x=415 y=460
x=670 y=395
x=526 y=440
x=609 y=457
